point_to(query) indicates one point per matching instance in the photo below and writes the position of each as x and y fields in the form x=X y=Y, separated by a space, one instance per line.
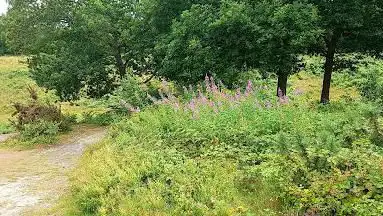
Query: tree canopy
x=89 y=45
x=233 y=37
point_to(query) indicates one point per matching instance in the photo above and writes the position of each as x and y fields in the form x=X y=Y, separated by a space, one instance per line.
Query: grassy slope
x=15 y=81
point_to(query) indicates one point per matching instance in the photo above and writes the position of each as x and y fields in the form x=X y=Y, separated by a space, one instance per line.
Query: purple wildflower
x=214 y=87
x=207 y=84
x=238 y=94
x=249 y=88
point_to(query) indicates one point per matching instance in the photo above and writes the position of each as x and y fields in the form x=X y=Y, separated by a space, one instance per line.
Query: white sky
x=3 y=7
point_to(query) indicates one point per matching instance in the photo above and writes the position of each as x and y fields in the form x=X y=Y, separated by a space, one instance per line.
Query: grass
x=13 y=63
x=15 y=81
x=311 y=85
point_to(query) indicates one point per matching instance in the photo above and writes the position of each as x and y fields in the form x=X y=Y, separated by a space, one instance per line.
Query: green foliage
x=39 y=132
x=39 y=123
x=102 y=119
x=129 y=95
x=87 y=50
x=348 y=26
x=318 y=181
x=211 y=154
x=92 y=49
x=225 y=40
x=156 y=182
x=6 y=128
x=356 y=24
x=187 y=54
x=3 y=41
x=369 y=80
x=313 y=64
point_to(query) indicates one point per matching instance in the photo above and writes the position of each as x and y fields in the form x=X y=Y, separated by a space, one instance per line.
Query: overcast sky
x=3 y=7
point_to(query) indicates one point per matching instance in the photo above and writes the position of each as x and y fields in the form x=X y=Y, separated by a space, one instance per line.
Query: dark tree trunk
x=120 y=65
x=118 y=49
x=282 y=85
x=328 y=68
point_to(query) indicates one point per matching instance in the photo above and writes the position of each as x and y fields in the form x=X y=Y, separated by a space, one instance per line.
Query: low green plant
x=40 y=123
x=39 y=132
x=6 y=128
x=102 y=119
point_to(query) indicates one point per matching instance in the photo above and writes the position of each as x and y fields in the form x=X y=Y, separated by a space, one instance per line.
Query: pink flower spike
x=207 y=83
x=249 y=88
x=214 y=87
x=238 y=94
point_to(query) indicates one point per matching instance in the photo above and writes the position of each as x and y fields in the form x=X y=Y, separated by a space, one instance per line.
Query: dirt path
x=35 y=179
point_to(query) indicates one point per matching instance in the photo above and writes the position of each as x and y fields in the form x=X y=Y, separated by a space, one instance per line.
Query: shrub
x=6 y=128
x=369 y=80
x=39 y=123
x=129 y=96
x=313 y=64
x=39 y=132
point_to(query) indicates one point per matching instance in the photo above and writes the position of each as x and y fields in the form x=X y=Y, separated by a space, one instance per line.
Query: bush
x=129 y=96
x=369 y=80
x=347 y=181
x=39 y=132
x=39 y=123
x=6 y=128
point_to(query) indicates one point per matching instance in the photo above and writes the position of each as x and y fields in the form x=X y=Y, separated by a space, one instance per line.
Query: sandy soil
x=35 y=179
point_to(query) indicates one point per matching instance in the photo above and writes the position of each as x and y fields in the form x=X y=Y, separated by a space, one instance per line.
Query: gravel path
x=35 y=179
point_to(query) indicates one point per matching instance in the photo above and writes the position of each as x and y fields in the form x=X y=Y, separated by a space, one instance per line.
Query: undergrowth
x=216 y=152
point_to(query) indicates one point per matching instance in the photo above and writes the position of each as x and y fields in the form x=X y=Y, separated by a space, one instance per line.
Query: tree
x=231 y=37
x=185 y=54
x=3 y=41
x=349 y=26
x=75 y=44
x=287 y=28
x=89 y=44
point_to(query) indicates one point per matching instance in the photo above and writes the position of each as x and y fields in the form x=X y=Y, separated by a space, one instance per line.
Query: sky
x=3 y=7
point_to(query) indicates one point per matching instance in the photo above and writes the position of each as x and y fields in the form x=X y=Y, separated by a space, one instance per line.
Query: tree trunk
x=120 y=65
x=282 y=85
x=328 y=68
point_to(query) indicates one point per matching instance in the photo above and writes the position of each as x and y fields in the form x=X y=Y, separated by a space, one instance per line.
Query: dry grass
x=12 y=63
x=311 y=86
x=15 y=81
